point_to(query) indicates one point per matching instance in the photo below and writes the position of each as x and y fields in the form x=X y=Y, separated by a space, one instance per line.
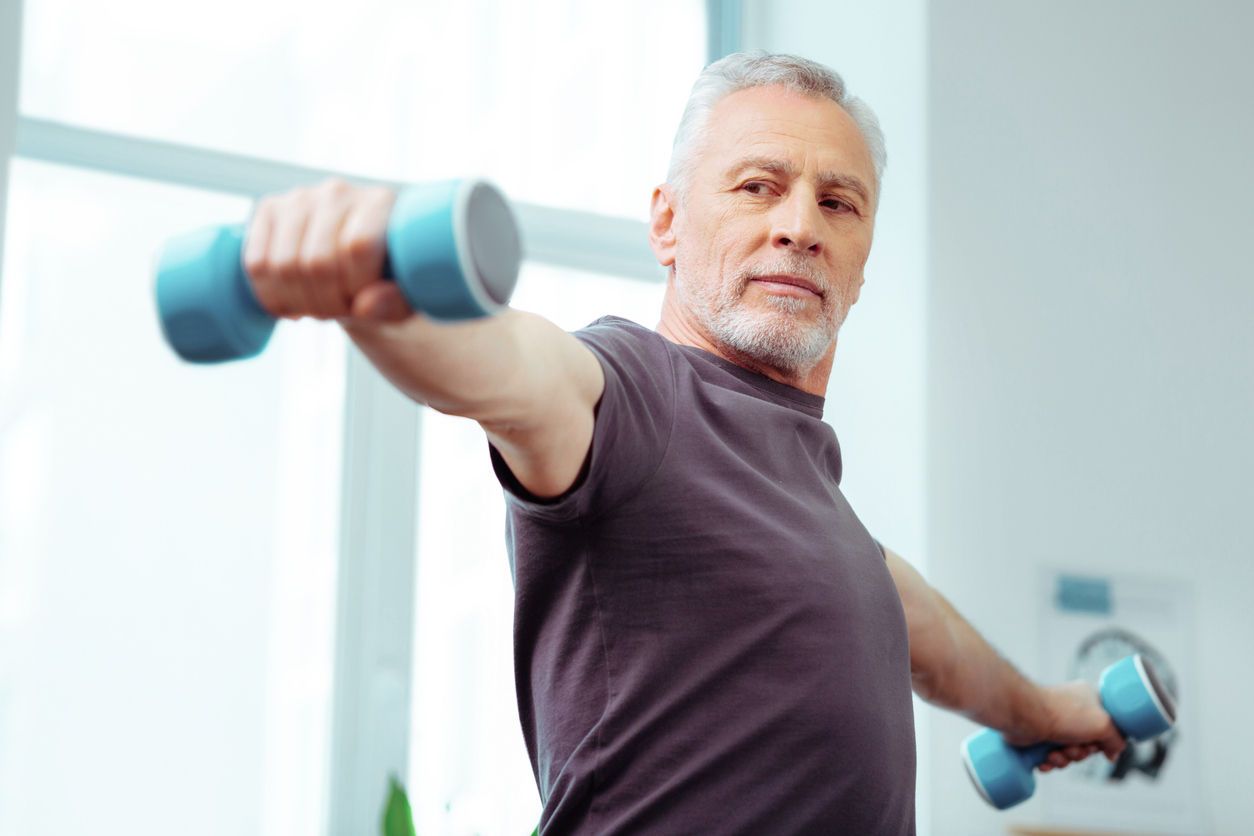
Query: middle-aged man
x=707 y=639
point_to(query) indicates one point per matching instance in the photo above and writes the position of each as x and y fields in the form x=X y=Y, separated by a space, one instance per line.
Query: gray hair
x=743 y=70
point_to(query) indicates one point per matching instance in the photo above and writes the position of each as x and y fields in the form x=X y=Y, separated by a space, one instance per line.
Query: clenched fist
x=319 y=252
x=1073 y=717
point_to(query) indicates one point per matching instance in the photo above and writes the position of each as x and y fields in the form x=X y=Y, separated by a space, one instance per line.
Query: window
x=168 y=536
x=561 y=102
x=171 y=555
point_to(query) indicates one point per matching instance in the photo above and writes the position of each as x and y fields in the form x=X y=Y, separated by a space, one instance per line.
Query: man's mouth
x=789 y=285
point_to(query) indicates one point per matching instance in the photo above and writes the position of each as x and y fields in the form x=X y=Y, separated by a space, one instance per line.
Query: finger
x=319 y=256
x=1112 y=746
x=291 y=220
x=255 y=259
x=256 y=238
x=1057 y=759
x=1076 y=754
x=363 y=240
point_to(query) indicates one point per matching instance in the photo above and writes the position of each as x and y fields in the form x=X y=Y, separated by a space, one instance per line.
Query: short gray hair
x=743 y=70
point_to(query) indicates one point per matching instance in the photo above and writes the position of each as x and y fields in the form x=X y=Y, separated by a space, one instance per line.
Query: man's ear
x=662 y=224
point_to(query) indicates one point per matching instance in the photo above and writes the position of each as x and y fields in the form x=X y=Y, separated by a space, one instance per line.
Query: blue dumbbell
x=452 y=247
x=1132 y=695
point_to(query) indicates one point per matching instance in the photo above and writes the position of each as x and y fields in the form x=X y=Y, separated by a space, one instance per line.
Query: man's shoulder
x=622 y=342
x=612 y=327
x=634 y=357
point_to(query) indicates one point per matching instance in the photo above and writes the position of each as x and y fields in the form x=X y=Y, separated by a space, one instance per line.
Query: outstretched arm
x=319 y=252
x=953 y=667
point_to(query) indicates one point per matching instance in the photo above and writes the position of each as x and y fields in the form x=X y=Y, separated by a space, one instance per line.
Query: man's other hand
x=1072 y=716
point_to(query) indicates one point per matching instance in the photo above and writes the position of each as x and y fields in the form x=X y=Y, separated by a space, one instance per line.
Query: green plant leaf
x=398 y=818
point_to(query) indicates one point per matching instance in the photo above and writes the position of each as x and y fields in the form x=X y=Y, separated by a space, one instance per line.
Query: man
x=707 y=639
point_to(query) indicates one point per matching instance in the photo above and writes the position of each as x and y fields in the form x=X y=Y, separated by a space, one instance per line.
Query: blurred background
x=234 y=599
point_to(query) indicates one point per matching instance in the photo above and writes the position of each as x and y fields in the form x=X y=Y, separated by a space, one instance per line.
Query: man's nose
x=796 y=222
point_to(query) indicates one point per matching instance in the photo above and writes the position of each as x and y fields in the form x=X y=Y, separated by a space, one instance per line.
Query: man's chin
x=776 y=340
x=789 y=322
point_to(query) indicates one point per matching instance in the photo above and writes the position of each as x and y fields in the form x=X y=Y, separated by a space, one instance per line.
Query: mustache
x=804 y=269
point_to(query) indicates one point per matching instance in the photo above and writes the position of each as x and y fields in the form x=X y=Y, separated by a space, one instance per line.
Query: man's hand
x=319 y=251
x=1072 y=715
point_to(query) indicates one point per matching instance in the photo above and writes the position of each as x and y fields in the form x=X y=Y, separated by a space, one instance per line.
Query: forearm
x=530 y=385
x=489 y=370
x=953 y=667
x=970 y=677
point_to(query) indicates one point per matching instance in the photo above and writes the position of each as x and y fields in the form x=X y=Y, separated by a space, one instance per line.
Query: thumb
x=381 y=301
x=1112 y=744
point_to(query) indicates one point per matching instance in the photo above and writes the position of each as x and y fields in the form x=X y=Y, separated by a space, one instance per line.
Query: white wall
x=1051 y=365
x=1090 y=360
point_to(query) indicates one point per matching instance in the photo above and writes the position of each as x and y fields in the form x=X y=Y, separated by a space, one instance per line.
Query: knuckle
x=364 y=270
x=359 y=247
x=285 y=200
x=257 y=266
x=316 y=265
x=334 y=187
x=295 y=203
x=287 y=270
x=273 y=303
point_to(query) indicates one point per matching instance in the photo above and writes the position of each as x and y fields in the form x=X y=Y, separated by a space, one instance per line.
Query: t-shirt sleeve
x=632 y=425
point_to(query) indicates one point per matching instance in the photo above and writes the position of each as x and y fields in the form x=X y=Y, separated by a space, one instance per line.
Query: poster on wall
x=1089 y=622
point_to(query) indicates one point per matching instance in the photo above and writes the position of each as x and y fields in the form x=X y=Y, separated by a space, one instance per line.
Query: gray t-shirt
x=706 y=638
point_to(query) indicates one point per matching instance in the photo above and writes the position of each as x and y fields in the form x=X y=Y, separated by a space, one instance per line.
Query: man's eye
x=755 y=185
x=836 y=204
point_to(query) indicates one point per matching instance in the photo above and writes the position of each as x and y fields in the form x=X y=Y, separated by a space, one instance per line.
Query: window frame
x=376 y=563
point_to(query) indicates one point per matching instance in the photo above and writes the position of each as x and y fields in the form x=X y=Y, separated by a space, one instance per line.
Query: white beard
x=778 y=338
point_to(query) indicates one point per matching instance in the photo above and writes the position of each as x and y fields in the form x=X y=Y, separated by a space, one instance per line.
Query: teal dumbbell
x=1132 y=694
x=453 y=248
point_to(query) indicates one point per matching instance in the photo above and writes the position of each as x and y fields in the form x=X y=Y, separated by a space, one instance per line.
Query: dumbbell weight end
x=1002 y=774
x=206 y=306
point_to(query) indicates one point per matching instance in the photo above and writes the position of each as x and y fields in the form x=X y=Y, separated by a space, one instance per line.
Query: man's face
x=782 y=195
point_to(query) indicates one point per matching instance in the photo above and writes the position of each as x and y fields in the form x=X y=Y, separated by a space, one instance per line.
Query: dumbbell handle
x=453 y=248
x=1035 y=755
